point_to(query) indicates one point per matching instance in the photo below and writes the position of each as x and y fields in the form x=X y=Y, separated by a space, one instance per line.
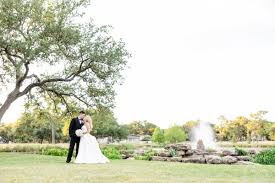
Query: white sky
x=193 y=59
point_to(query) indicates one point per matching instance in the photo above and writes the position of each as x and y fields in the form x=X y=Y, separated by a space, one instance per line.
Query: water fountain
x=202 y=136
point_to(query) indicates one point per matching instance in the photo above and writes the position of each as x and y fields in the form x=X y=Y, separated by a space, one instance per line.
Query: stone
x=189 y=152
x=139 y=152
x=200 y=145
x=178 y=147
x=243 y=158
x=126 y=154
x=164 y=154
x=229 y=159
x=181 y=153
x=159 y=158
x=228 y=153
x=213 y=159
x=123 y=156
x=130 y=158
x=194 y=159
x=252 y=151
x=175 y=159
x=198 y=152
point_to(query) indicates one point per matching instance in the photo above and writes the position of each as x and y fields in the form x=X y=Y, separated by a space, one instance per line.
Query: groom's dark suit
x=74 y=125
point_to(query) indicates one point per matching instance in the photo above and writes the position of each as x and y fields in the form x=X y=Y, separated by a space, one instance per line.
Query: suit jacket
x=74 y=125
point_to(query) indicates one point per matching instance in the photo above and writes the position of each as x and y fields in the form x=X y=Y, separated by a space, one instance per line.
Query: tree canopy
x=47 y=48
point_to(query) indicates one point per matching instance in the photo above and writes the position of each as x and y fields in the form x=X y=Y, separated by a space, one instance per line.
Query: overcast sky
x=194 y=59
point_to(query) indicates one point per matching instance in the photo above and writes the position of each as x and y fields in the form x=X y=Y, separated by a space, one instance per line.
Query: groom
x=76 y=123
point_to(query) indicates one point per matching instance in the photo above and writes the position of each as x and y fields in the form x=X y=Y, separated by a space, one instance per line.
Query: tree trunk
x=10 y=99
x=53 y=135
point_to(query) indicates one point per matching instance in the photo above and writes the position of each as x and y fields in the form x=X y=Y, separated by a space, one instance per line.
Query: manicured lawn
x=21 y=168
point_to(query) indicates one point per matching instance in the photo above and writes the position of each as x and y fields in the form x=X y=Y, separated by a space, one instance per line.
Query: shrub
x=147 y=155
x=46 y=149
x=111 y=153
x=55 y=152
x=158 y=136
x=266 y=157
x=241 y=152
x=175 y=134
x=173 y=152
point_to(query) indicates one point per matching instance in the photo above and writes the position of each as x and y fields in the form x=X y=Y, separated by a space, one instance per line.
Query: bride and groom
x=87 y=147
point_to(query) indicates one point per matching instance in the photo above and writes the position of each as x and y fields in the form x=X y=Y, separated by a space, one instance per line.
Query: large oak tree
x=47 y=48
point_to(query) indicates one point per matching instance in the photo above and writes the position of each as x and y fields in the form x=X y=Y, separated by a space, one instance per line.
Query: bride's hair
x=89 y=120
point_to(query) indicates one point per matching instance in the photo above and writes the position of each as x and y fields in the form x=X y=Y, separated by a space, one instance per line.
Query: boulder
x=228 y=153
x=194 y=159
x=175 y=159
x=126 y=154
x=185 y=153
x=243 y=158
x=159 y=158
x=229 y=159
x=189 y=152
x=213 y=159
x=199 y=152
x=139 y=152
x=181 y=153
x=123 y=156
x=164 y=154
x=130 y=158
x=252 y=151
x=200 y=145
x=178 y=147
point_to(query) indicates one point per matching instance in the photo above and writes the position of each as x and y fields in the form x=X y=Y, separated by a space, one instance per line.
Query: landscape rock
x=252 y=151
x=229 y=153
x=164 y=154
x=178 y=147
x=200 y=145
x=229 y=159
x=139 y=152
x=213 y=159
x=243 y=158
x=189 y=152
x=199 y=152
x=159 y=158
x=175 y=159
x=130 y=158
x=194 y=159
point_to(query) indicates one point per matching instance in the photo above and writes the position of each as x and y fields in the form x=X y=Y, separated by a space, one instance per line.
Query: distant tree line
x=49 y=123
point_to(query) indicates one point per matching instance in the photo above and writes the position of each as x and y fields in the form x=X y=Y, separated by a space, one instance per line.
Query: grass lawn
x=21 y=168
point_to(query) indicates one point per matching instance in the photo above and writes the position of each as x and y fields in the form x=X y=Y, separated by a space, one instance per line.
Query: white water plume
x=203 y=131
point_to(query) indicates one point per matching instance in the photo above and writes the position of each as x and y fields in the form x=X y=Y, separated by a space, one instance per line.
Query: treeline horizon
x=39 y=125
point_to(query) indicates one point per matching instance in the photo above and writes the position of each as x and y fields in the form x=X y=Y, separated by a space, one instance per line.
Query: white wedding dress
x=89 y=151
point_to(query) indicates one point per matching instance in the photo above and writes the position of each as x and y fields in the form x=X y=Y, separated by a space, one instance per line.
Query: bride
x=89 y=151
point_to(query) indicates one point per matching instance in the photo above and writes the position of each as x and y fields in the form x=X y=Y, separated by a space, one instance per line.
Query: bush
x=147 y=155
x=45 y=149
x=173 y=152
x=241 y=152
x=55 y=152
x=111 y=153
x=158 y=136
x=266 y=157
x=175 y=134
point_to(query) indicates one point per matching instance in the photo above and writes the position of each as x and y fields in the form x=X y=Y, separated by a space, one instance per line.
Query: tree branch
x=62 y=94
x=21 y=79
